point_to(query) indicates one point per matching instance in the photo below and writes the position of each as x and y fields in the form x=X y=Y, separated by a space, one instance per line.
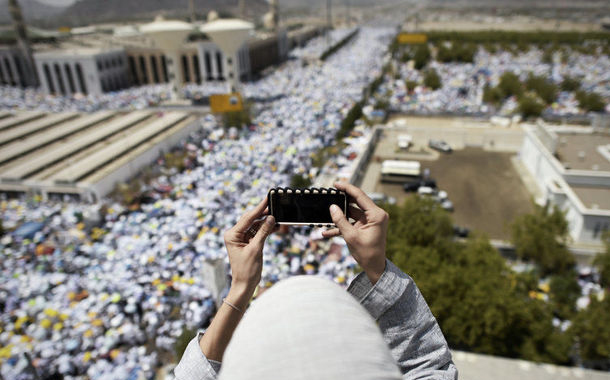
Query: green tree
x=530 y=105
x=570 y=84
x=590 y=101
x=493 y=95
x=432 y=79
x=542 y=237
x=411 y=84
x=546 y=90
x=564 y=293
x=419 y=222
x=475 y=297
x=300 y=181
x=510 y=84
x=602 y=262
x=421 y=56
x=591 y=327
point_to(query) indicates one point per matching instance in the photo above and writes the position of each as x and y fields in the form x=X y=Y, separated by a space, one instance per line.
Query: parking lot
x=484 y=187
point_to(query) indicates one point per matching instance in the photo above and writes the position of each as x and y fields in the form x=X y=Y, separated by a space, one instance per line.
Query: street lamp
x=229 y=35
x=169 y=35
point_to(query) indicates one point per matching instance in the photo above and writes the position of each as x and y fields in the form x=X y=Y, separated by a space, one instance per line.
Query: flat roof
x=593 y=197
x=72 y=156
x=57 y=132
x=36 y=162
x=473 y=366
x=11 y=120
x=579 y=151
x=27 y=129
x=82 y=168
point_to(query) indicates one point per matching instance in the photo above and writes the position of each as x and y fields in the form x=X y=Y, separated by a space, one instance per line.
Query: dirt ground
x=485 y=189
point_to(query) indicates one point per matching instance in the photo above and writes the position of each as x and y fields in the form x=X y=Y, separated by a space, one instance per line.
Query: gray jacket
x=406 y=323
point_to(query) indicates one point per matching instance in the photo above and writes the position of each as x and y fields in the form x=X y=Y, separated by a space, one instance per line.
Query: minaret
x=274 y=8
x=192 y=10
x=242 y=9
x=29 y=72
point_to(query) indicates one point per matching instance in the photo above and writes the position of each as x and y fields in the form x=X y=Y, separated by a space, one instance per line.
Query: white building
x=571 y=167
x=82 y=70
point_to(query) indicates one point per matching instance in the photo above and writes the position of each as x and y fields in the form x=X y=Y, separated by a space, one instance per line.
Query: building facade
x=572 y=171
x=84 y=71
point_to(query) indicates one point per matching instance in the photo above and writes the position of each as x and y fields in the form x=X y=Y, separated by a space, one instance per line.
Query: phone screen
x=306 y=208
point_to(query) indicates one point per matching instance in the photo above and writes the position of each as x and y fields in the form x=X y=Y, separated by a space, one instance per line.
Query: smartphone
x=305 y=207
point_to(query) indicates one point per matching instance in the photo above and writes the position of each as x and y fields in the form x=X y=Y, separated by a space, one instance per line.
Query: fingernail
x=270 y=220
x=334 y=209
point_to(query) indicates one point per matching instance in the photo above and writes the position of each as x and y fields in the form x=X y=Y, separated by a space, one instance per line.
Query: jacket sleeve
x=407 y=324
x=194 y=365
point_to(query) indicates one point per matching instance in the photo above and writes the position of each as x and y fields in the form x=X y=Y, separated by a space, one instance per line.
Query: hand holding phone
x=305 y=207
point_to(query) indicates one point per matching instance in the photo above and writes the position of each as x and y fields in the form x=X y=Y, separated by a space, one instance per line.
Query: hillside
x=89 y=11
x=33 y=11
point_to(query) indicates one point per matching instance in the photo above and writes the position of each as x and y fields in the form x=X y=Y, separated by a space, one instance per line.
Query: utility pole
x=29 y=72
x=329 y=21
x=242 y=9
x=192 y=10
x=348 y=11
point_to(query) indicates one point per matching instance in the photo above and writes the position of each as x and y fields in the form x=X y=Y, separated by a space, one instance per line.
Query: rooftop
x=579 y=151
x=593 y=197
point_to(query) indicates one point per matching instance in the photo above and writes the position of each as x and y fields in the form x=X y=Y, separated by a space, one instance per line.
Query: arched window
x=196 y=69
x=47 y=75
x=143 y=69
x=9 y=71
x=208 y=66
x=70 y=78
x=60 y=79
x=164 y=66
x=185 y=69
x=81 y=79
x=155 y=68
x=219 y=65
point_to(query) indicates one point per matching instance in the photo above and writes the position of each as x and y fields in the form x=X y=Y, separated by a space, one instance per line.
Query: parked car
x=404 y=141
x=425 y=190
x=415 y=184
x=380 y=198
x=462 y=232
x=447 y=205
x=440 y=145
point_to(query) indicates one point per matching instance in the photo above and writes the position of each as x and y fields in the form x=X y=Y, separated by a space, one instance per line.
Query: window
x=185 y=69
x=133 y=70
x=197 y=69
x=154 y=67
x=81 y=79
x=164 y=66
x=3 y=79
x=208 y=66
x=47 y=75
x=9 y=72
x=70 y=78
x=60 y=79
x=18 y=64
x=143 y=69
x=219 y=64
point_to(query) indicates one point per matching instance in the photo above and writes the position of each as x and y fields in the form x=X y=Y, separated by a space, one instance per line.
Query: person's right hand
x=366 y=238
x=244 y=243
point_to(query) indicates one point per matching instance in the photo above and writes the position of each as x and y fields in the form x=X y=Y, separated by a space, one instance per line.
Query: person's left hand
x=244 y=243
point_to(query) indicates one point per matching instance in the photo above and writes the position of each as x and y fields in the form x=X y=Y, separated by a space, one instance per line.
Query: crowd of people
x=462 y=84
x=102 y=291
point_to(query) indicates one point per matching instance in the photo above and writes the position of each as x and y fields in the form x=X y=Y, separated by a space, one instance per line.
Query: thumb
x=340 y=220
x=265 y=230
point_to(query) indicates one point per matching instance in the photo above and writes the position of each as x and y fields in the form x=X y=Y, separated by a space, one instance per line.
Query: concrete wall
x=134 y=166
x=585 y=224
x=101 y=71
